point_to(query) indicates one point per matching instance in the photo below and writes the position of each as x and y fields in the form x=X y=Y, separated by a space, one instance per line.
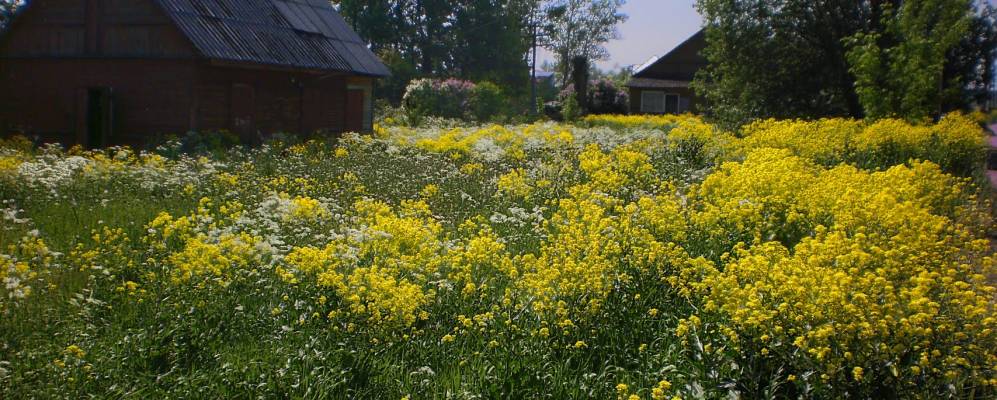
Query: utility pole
x=533 y=71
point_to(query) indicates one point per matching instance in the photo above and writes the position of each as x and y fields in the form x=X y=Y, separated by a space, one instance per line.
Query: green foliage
x=900 y=71
x=813 y=59
x=7 y=9
x=579 y=28
x=472 y=40
x=392 y=88
x=570 y=110
x=454 y=99
x=607 y=97
x=969 y=63
x=487 y=101
x=779 y=59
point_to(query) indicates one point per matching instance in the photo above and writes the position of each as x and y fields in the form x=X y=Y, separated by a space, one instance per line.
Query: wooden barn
x=661 y=86
x=108 y=72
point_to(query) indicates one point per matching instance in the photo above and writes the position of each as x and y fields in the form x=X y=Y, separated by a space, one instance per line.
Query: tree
x=779 y=58
x=581 y=28
x=900 y=70
x=825 y=58
x=7 y=8
x=467 y=39
x=491 y=39
x=970 y=63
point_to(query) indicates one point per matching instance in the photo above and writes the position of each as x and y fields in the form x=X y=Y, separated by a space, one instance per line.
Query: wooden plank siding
x=63 y=59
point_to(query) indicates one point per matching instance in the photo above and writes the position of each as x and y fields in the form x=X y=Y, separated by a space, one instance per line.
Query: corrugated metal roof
x=292 y=33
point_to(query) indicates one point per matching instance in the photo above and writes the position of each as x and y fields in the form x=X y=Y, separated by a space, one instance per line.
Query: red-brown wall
x=58 y=50
x=46 y=98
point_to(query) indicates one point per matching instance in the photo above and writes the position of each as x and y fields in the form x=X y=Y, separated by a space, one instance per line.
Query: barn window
x=655 y=102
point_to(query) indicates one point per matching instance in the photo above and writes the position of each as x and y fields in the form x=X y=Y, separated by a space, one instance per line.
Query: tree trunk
x=580 y=78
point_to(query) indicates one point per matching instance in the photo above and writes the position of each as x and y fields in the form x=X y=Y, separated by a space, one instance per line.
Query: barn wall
x=95 y=28
x=259 y=102
x=42 y=98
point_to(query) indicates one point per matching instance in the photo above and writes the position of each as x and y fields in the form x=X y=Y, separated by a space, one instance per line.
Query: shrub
x=487 y=101
x=437 y=98
x=605 y=98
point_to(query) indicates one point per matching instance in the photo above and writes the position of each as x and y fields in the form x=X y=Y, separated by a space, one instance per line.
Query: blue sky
x=654 y=28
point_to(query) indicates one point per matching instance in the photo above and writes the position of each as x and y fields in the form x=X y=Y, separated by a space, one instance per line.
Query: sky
x=654 y=28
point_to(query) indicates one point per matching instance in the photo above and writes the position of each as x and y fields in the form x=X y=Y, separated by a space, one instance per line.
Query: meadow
x=619 y=257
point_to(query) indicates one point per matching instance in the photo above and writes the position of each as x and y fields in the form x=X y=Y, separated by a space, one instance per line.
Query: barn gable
x=107 y=29
x=295 y=34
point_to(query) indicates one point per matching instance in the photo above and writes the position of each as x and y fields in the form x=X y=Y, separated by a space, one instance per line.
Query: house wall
x=258 y=102
x=684 y=93
x=60 y=50
x=46 y=98
x=95 y=28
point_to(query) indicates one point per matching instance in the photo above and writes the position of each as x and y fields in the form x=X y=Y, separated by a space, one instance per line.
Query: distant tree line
x=479 y=40
x=912 y=59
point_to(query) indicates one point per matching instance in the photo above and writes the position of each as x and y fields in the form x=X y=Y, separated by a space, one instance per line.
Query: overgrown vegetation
x=628 y=257
x=909 y=59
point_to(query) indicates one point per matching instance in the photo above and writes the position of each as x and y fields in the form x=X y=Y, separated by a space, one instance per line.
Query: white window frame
x=644 y=104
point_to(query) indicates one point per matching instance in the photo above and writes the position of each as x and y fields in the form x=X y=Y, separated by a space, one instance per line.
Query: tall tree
x=470 y=39
x=7 y=8
x=491 y=40
x=581 y=28
x=971 y=63
x=900 y=70
x=819 y=58
x=779 y=58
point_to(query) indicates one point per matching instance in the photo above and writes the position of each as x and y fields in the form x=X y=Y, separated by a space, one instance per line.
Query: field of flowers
x=622 y=257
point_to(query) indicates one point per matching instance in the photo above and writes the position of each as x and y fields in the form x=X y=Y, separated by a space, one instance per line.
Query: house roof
x=290 y=33
x=681 y=63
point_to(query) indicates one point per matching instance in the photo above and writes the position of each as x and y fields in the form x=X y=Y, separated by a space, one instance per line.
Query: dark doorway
x=354 y=110
x=99 y=117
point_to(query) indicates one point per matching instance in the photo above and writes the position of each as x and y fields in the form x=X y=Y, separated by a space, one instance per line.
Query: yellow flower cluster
x=514 y=184
x=213 y=260
x=851 y=269
x=307 y=209
x=21 y=266
x=636 y=121
x=620 y=170
x=955 y=143
x=382 y=272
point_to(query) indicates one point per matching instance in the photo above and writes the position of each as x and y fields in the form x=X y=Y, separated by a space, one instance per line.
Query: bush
x=454 y=99
x=605 y=98
x=487 y=101
x=437 y=98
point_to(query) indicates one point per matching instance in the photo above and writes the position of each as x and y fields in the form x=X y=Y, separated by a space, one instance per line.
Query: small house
x=108 y=72
x=661 y=86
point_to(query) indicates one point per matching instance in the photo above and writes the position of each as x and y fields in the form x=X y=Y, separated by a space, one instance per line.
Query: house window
x=654 y=102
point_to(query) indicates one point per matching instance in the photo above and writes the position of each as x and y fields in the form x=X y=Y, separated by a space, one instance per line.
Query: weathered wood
x=60 y=52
